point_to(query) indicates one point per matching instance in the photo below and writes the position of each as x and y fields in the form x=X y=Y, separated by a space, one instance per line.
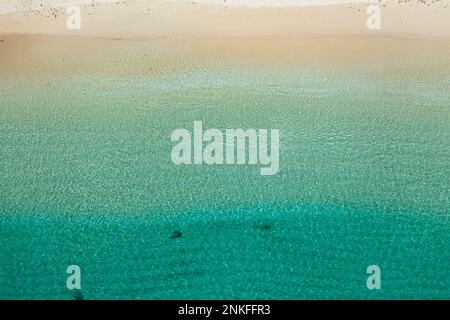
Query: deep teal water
x=364 y=179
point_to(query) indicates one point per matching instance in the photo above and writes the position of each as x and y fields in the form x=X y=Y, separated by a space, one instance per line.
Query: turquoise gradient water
x=364 y=179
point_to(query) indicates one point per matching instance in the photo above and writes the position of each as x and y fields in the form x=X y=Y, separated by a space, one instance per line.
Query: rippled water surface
x=364 y=179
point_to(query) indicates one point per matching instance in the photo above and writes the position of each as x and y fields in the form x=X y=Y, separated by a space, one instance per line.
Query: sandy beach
x=151 y=19
x=39 y=41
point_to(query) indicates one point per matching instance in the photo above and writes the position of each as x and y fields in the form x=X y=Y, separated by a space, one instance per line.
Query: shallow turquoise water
x=364 y=179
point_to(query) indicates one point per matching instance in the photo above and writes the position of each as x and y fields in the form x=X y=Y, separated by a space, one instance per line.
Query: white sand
x=144 y=19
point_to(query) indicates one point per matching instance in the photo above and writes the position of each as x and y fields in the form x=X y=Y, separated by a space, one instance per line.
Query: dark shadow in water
x=265 y=226
x=176 y=234
x=78 y=295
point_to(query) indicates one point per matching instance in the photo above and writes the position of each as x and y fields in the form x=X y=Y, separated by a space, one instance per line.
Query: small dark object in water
x=78 y=295
x=176 y=234
x=265 y=227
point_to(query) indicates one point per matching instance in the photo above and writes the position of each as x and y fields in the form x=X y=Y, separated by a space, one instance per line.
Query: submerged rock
x=176 y=234
x=78 y=295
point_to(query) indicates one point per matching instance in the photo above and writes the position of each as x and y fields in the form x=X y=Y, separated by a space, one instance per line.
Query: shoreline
x=29 y=55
